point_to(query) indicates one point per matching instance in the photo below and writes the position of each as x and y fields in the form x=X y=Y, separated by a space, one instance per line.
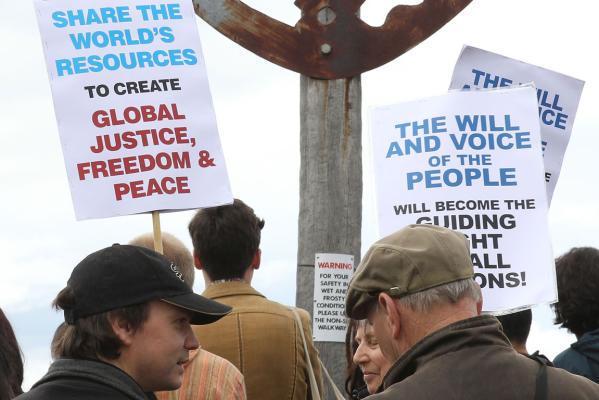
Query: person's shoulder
x=218 y=362
x=571 y=386
x=567 y=358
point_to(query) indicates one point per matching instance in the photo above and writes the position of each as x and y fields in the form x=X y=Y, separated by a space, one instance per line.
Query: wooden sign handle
x=157 y=232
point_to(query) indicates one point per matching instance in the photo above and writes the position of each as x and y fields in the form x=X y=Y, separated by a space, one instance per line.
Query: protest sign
x=332 y=273
x=471 y=161
x=133 y=106
x=557 y=95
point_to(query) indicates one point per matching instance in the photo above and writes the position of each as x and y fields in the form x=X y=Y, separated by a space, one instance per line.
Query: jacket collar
x=478 y=331
x=95 y=371
x=230 y=288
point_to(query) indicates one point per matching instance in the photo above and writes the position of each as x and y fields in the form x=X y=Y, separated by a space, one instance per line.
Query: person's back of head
x=516 y=326
x=11 y=361
x=225 y=239
x=173 y=249
x=578 y=290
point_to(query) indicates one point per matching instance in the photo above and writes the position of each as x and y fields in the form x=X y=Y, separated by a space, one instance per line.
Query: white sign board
x=133 y=106
x=332 y=273
x=557 y=95
x=472 y=161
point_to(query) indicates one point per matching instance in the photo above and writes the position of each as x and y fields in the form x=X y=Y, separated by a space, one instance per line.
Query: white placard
x=558 y=96
x=332 y=273
x=472 y=161
x=133 y=106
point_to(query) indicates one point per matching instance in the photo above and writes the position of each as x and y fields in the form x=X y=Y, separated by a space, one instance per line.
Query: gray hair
x=448 y=293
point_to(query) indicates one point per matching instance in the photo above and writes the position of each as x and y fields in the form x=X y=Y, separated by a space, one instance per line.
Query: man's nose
x=191 y=342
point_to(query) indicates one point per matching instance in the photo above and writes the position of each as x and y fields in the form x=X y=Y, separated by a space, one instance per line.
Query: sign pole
x=330 y=216
x=157 y=232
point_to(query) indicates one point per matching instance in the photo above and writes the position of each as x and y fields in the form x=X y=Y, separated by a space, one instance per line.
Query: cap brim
x=205 y=311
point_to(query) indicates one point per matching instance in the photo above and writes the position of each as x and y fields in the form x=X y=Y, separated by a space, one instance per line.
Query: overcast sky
x=257 y=108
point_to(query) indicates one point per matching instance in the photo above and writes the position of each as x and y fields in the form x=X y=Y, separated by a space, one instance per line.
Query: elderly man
x=416 y=287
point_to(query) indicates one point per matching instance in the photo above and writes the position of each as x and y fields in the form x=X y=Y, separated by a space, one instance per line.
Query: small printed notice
x=133 y=106
x=471 y=161
x=558 y=96
x=332 y=273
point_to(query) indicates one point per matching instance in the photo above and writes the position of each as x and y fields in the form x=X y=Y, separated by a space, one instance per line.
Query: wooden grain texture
x=330 y=216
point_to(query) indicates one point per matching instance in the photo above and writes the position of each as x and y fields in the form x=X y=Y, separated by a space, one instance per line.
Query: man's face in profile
x=377 y=317
x=159 y=349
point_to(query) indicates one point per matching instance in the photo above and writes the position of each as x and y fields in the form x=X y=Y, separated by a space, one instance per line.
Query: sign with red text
x=133 y=106
x=332 y=273
x=558 y=96
x=472 y=161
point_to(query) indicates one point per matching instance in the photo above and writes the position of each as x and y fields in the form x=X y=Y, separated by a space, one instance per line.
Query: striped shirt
x=208 y=377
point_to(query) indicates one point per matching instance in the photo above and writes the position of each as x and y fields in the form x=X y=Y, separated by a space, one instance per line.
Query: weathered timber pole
x=330 y=46
x=330 y=216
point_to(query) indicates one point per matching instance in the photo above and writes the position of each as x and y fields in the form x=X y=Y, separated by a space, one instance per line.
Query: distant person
x=128 y=314
x=207 y=376
x=516 y=326
x=578 y=310
x=369 y=357
x=416 y=287
x=11 y=361
x=260 y=337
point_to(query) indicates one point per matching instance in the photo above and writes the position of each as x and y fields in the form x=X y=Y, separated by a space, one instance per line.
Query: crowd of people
x=134 y=329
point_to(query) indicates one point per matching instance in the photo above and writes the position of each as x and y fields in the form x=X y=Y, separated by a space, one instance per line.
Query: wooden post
x=157 y=232
x=330 y=216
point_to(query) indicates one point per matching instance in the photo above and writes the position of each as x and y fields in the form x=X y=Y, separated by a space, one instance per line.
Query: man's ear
x=392 y=314
x=479 y=306
x=122 y=329
x=196 y=261
x=256 y=259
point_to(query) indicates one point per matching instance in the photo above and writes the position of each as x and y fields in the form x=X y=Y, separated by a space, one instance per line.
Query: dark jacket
x=582 y=358
x=473 y=360
x=69 y=379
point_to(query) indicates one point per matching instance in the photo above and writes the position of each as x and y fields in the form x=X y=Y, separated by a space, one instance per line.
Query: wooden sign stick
x=157 y=232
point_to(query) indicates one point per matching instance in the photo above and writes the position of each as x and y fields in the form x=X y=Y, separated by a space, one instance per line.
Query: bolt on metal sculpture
x=329 y=41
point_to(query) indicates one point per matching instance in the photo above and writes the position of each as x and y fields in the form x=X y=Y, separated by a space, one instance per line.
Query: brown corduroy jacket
x=473 y=360
x=262 y=339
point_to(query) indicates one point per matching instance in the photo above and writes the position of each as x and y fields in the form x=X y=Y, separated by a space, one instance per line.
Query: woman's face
x=369 y=358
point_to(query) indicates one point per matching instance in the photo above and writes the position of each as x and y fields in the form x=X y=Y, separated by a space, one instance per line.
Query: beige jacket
x=262 y=339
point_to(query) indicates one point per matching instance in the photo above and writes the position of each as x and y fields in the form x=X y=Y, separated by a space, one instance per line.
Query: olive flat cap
x=413 y=259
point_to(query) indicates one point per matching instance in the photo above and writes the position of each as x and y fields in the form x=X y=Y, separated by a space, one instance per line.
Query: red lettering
x=166 y=185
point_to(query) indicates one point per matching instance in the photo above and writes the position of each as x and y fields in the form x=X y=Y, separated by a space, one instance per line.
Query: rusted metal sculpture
x=330 y=41
x=330 y=46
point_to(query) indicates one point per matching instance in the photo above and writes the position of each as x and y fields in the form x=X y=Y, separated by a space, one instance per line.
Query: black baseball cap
x=124 y=275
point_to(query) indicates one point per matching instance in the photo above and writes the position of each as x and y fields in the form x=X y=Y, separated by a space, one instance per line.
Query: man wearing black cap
x=416 y=287
x=128 y=314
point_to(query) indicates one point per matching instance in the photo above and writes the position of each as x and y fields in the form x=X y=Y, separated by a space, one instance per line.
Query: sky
x=257 y=109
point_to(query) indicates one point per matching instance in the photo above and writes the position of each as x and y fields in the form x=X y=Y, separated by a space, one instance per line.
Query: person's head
x=354 y=381
x=226 y=240
x=174 y=250
x=578 y=290
x=412 y=283
x=516 y=327
x=11 y=361
x=128 y=306
x=369 y=358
